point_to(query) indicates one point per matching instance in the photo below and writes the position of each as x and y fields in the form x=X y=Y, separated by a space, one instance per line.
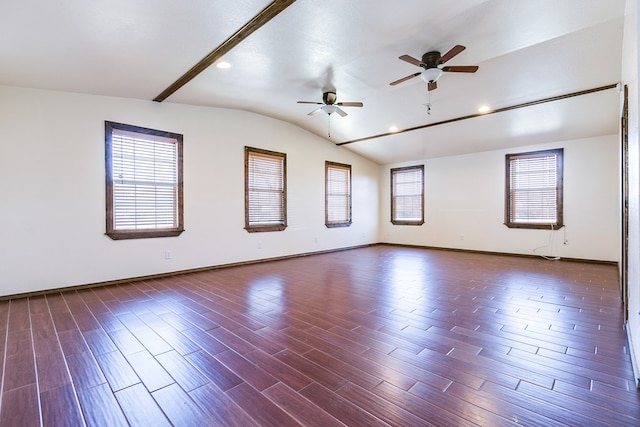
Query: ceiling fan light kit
x=431 y=75
x=329 y=109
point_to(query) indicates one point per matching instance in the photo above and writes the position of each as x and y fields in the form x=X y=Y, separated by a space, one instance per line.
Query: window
x=407 y=195
x=144 y=182
x=533 y=196
x=265 y=190
x=337 y=210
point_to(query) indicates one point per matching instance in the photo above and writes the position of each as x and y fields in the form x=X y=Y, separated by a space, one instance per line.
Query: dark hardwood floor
x=366 y=337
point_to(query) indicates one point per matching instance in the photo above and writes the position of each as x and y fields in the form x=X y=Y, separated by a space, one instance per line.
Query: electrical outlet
x=259 y=245
x=167 y=254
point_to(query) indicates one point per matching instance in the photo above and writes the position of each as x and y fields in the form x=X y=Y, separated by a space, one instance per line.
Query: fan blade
x=350 y=104
x=432 y=86
x=404 y=79
x=453 y=52
x=461 y=69
x=412 y=60
x=341 y=112
x=310 y=102
x=317 y=110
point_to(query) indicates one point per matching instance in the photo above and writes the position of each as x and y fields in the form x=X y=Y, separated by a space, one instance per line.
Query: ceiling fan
x=432 y=72
x=330 y=106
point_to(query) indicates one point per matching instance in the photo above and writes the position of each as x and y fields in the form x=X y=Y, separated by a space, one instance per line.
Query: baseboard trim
x=262 y=260
x=632 y=354
x=172 y=273
x=590 y=261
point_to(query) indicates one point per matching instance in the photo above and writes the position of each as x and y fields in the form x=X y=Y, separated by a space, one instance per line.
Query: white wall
x=464 y=204
x=53 y=207
x=630 y=78
x=52 y=189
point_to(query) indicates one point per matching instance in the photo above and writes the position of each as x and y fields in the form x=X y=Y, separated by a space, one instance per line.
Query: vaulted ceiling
x=547 y=68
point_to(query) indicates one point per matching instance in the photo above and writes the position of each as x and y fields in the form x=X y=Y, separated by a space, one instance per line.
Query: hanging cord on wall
x=550 y=246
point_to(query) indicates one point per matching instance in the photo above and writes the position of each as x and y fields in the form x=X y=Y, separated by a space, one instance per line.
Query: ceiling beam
x=499 y=110
x=268 y=13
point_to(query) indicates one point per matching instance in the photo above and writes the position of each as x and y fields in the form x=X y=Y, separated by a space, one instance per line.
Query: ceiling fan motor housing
x=329 y=98
x=430 y=59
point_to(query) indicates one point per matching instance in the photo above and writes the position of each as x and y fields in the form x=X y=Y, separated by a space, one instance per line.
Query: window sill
x=337 y=224
x=264 y=228
x=407 y=222
x=534 y=226
x=147 y=234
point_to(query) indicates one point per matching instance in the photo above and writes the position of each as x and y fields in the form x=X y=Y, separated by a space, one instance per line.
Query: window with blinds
x=534 y=189
x=144 y=182
x=337 y=211
x=265 y=190
x=407 y=195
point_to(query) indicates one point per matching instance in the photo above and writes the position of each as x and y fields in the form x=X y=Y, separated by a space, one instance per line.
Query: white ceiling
x=527 y=50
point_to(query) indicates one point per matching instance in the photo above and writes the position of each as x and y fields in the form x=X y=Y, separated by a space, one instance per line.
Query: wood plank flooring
x=374 y=336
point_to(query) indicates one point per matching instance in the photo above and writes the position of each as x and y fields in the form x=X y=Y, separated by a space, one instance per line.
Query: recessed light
x=483 y=109
x=393 y=129
x=223 y=65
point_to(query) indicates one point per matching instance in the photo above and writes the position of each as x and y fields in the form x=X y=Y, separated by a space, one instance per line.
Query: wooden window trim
x=252 y=228
x=111 y=230
x=336 y=224
x=393 y=198
x=559 y=153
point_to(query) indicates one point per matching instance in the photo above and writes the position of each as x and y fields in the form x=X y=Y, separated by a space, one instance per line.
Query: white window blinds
x=145 y=183
x=407 y=195
x=338 y=194
x=265 y=190
x=534 y=188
